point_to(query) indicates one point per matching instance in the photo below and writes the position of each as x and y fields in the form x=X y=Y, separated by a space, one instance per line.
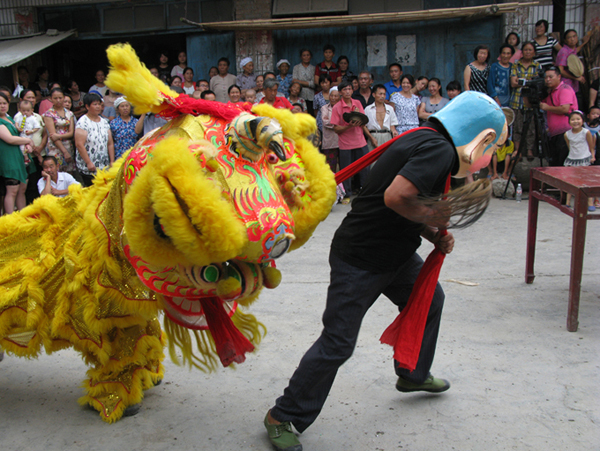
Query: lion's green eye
x=211 y=273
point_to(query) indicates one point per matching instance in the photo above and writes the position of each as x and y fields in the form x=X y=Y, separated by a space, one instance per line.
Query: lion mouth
x=189 y=313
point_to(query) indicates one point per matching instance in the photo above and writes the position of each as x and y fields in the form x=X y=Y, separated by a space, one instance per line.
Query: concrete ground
x=520 y=381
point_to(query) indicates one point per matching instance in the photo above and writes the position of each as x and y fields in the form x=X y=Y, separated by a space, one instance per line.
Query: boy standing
x=328 y=67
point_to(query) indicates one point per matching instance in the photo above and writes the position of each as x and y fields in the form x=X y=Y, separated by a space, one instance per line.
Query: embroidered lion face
x=209 y=206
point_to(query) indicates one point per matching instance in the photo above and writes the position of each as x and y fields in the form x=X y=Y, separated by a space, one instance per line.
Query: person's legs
x=399 y=292
x=331 y=156
x=503 y=167
x=517 y=128
x=351 y=293
x=530 y=140
x=21 y=199
x=11 y=195
x=494 y=167
x=558 y=150
x=345 y=160
x=357 y=154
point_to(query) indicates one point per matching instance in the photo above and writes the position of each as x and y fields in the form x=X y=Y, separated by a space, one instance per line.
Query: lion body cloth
x=187 y=224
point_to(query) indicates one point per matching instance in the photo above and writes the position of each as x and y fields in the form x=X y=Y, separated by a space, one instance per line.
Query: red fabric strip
x=231 y=344
x=370 y=158
x=405 y=334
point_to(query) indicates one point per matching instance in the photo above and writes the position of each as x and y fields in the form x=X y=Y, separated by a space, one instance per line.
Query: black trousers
x=349 y=156
x=352 y=291
x=558 y=150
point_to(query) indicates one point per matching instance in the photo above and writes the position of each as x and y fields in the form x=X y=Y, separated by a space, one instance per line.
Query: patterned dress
x=284 y=84
x=406 y=110
x=61 y=125
x=124 y=135
x=96 y=143
x=479 y=78
x=319 y=102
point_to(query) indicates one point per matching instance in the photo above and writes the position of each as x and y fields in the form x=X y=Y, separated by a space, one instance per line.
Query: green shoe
x=431 y=385
x=281 y=436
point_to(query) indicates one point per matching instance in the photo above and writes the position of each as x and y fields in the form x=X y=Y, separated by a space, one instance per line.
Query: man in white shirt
x=52 y=181
x=382 y=118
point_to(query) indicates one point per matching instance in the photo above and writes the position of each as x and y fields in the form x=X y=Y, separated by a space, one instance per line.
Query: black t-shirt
x=164 y=74
x=365 y=103
x=372 y=236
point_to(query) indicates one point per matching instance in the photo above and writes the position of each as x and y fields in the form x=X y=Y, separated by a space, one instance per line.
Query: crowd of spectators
x=84 y=131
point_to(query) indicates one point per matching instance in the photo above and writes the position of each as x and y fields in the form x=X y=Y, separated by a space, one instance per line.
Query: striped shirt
x=543 y=53
x=478 y=81
x=520 y=71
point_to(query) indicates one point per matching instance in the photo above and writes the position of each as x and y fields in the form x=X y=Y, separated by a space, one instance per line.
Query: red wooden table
x=581 y=183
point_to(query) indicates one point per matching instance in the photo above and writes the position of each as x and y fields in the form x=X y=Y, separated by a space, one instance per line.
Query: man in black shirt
x=374 y=252
x=364 y=93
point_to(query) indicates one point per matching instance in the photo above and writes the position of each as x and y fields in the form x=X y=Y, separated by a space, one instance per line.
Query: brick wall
x=257 y=44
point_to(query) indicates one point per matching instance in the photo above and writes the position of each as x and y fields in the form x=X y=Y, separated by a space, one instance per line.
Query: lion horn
x=129 y=76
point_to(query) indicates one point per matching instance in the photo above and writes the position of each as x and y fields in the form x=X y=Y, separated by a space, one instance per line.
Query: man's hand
x=543 y=106
x=54 y=191
x=355 y=123
x=46 y=175
x=445 y=243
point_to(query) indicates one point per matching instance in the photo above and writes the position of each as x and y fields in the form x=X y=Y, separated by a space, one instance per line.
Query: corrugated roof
x=14 y=50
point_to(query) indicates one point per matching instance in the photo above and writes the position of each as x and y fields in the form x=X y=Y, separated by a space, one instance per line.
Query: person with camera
x=521 y=72
x=561 y=101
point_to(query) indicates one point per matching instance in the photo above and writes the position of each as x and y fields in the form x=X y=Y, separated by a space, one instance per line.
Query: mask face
x=476 y=124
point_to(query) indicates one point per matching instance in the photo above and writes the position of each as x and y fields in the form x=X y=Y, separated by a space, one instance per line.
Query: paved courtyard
x=520 y=381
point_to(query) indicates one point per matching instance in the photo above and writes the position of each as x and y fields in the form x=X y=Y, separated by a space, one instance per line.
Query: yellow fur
x=67 y=276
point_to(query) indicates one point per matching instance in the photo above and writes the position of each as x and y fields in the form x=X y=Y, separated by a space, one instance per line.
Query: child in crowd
x=29 y=126
x=501 y=160
x=250 y=95
x=453 y=89
x=581 y=147
x=208 y=95
x=297 y=108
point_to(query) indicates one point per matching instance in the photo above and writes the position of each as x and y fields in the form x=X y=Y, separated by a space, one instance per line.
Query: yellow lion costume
x=188 y=222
